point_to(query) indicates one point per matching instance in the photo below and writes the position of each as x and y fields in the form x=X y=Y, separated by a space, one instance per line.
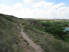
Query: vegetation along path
x=31 y=43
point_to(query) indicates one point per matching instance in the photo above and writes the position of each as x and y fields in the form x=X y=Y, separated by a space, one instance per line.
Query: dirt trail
x=31 y=43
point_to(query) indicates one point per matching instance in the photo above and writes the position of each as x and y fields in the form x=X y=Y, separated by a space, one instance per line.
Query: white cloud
x=42 y=4
x=42 y=10
x=58 y=5
x=27 y=1
x=17 y=10
x=47 y=10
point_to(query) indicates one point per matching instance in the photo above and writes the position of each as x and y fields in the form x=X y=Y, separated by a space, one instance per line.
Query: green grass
x=44 y=39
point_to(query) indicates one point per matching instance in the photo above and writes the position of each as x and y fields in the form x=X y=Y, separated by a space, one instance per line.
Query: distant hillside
x=12 y=41
x=50 y=43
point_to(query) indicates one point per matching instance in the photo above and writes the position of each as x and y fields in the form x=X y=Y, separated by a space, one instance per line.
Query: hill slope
x=11 y=39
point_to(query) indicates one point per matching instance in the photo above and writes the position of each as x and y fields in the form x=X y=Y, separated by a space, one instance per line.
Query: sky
x=39 y=9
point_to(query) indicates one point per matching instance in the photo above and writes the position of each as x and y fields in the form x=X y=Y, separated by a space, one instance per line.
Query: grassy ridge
x=9 y=41
x=10 y=38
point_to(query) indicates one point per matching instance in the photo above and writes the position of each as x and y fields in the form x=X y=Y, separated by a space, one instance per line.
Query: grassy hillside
x=10 y=38
x=41 y=32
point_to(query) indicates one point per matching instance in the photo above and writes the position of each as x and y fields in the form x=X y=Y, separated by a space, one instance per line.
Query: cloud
x=47 y=10
x=38 y=10
x=42 y=4
x=27 y=1
x=17 y=10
